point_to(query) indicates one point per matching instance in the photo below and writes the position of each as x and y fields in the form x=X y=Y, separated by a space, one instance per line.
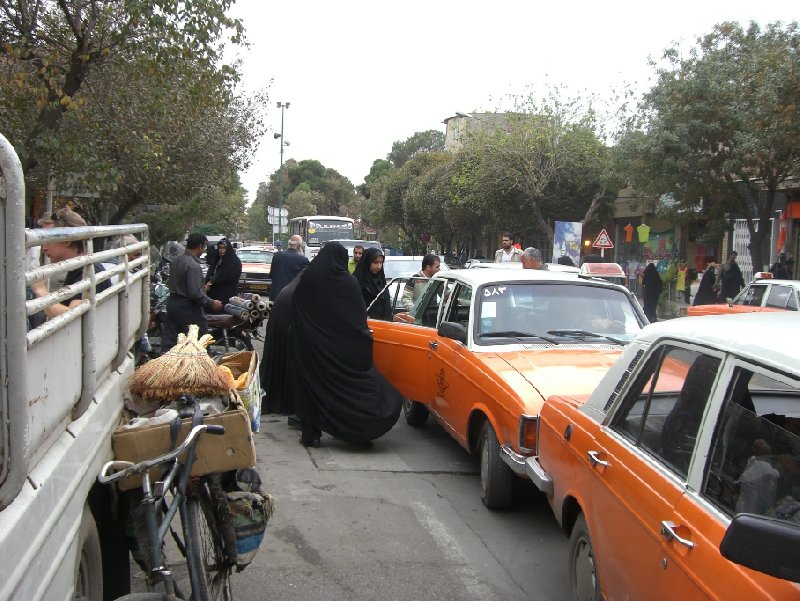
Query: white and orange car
x=483 y=348
x=684 y=465
x=763 y=295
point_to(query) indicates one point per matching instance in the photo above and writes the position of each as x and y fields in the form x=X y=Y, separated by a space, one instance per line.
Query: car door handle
x=594 y=459
x=668 y=532
x=433 y=344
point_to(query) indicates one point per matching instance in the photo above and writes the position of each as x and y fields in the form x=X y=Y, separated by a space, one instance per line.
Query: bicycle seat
x=221 y=320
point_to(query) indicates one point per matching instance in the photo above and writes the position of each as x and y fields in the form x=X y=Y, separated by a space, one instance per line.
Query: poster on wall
x=660 y=246
x=567 y=241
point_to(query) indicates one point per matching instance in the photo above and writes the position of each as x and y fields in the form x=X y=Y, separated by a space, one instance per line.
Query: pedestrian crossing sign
x=603 y=240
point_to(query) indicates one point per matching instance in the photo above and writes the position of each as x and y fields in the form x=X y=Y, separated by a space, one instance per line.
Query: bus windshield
x=322 y=230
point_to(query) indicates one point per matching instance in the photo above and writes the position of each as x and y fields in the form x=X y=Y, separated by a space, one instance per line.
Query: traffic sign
x=273 y=211
x=603 y=240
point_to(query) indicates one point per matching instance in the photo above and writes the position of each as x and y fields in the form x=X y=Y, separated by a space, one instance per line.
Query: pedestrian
x=187 y=300
x=566 y=260
x=705 y=290
x=336 y=386
x=431 y=264
x=274 y=370
x=651 y=284
x=507 y=251
x=286 y=264
x=61 y=251
x=372 y=279
x=782 y=269
x=358 y=251
x=731 y=280
x=532 y=259
x=222 y=279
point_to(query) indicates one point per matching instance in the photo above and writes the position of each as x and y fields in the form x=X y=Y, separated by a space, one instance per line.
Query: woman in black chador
x=335 y=385
x=222 y=279
x=372 y=279
x=651 y=282
x=275 y=382
x=705 y=290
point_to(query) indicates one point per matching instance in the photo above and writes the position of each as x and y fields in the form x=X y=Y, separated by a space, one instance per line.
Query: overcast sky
x=360 y=75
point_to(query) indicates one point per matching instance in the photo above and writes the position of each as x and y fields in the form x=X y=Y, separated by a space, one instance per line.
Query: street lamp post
x=282 y=106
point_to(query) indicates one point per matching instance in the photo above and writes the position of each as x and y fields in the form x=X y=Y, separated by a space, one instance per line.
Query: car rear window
x=254 y=256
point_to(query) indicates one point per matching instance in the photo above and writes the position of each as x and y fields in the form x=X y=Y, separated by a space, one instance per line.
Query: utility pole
x=282 y=106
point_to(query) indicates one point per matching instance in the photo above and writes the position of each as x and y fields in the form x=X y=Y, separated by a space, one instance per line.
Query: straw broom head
x=185 y=369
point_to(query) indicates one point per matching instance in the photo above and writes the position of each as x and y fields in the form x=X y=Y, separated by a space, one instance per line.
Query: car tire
x=88 y=581
x=416 y=413
x=497 y=479
x=583 y=576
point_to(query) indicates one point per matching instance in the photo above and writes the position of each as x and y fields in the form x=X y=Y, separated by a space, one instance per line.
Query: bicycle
x=197 y=499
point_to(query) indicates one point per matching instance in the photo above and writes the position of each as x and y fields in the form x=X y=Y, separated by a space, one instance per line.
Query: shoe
x=294 y=422
x=313 y=443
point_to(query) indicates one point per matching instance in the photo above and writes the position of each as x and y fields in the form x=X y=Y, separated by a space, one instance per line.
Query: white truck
x=61 y=390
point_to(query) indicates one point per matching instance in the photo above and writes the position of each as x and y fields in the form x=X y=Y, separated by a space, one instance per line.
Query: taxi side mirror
x=451 y=329
x=763 y=544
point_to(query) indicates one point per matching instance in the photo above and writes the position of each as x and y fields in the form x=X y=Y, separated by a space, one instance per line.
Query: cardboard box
x=231 y=451
x=238 y=363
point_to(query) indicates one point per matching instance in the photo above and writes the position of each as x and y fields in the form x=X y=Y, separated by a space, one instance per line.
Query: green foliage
x=380 y=168
x=421 y=142
x=721 y=125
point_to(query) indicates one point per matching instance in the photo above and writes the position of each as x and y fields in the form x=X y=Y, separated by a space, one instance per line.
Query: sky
x=361 y=75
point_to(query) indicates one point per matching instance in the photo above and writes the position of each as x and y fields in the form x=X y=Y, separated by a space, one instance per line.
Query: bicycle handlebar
x=130 y=469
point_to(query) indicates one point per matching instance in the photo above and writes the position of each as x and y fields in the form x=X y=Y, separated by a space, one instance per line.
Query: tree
x=721 y=125
x=380 y=168
x=50 y=48
x=257 y=227
x=422 y=141
x=304 y=201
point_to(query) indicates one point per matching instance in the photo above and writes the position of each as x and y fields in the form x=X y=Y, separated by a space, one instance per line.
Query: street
x=400 y=521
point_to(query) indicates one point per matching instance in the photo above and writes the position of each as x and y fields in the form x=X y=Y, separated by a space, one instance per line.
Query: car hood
x=538 y=374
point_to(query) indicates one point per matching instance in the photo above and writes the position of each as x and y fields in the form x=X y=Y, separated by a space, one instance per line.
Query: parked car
x=763 y=294
x=698 y=422
x=256 y=265
x=486 y=347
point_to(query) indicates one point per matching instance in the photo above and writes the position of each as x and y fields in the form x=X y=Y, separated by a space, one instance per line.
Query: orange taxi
x=763 y=295
x=683 y=466
x=485 y=347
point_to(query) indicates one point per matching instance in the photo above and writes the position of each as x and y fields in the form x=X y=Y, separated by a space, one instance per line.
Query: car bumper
x=513 y=460
x=538 y=475
x=255 y=286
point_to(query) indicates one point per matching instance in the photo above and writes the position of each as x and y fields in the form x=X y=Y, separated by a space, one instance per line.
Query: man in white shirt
x=507 y=251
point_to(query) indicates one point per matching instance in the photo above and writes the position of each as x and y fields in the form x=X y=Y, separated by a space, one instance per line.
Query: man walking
x=532 y=259
x=731 y=280
x=507 y=251
x=286 y=264
x=187 y=298
x=358 y=251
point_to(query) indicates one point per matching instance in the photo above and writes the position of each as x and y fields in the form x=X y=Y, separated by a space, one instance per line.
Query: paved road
x=400 y=521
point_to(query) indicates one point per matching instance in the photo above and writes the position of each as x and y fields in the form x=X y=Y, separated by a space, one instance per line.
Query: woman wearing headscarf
x=275 y=381
x=651 y=282
x=372 y=279
x=705 y=291
x=222 y=278
x=335 y=385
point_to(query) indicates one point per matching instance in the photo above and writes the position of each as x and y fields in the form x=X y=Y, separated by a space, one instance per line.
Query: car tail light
x=528 y=430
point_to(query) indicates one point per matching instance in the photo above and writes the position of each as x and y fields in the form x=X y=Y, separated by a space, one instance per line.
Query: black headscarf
x=224 y=274
x=651 y=282
x=372 y=284
x=336 y=386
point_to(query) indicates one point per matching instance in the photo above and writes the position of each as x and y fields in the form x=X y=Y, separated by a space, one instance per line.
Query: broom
x=185 y=369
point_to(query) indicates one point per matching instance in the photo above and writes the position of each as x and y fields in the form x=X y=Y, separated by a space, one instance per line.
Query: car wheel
x=583 y=576
x=416 y=413
x=497 y=479
x=89 y=564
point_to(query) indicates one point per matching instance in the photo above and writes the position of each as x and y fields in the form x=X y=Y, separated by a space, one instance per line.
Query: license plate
x=256 y=286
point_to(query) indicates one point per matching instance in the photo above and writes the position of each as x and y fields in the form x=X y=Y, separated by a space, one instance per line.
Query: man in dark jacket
x=731 y=280
x=286 y=264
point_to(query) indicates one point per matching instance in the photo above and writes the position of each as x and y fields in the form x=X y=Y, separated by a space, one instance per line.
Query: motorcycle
x=230 y=333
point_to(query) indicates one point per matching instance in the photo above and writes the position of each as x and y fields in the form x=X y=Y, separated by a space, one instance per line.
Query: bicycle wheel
x=205 y=547
x=235 y=342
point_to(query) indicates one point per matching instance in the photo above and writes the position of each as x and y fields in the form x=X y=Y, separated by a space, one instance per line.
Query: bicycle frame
x=178 y=475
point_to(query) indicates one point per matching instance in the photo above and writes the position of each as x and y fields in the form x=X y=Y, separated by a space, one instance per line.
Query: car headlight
x=527 y=433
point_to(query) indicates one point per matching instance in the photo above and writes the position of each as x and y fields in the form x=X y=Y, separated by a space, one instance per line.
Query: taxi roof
x=487 y=275
x=767 y=338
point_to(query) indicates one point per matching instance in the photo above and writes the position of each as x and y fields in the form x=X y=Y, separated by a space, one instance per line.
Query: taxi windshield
x=562 y=312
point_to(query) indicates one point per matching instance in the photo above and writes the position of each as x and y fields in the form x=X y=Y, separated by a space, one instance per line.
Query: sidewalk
x=669 y=308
